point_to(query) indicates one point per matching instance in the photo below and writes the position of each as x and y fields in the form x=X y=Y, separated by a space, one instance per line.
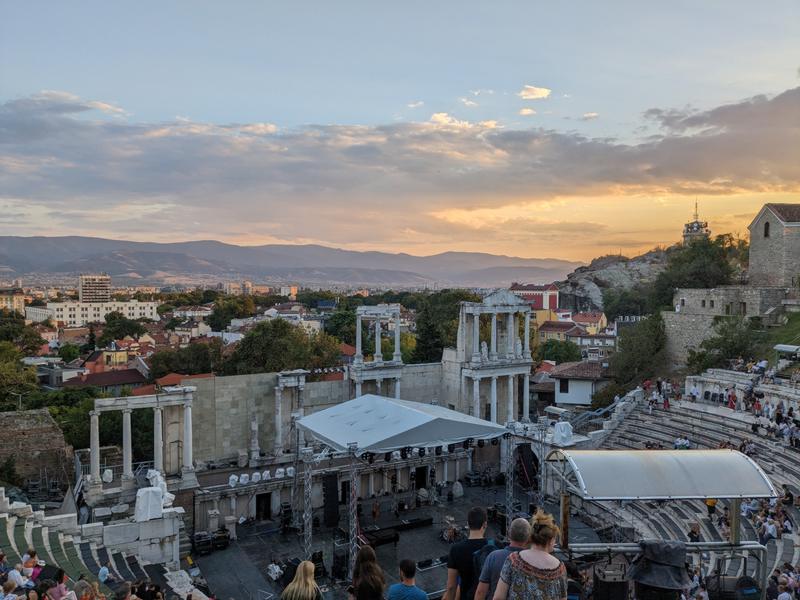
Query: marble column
x=494 y=400
x=397 y=388
x=476 y=338
x=526 y=397
x=371 y=488
x=378 y=386
x=493 y=349
x=278 y=419
x=359 y=357
x=510 y=335
x=476 y=397
x=445 y=461
x=526 y=343
x=378 y=353
x=94 y=446
x=158 y=440
x=510 y=416
x=358 y=389
x=301 y=400
x=398 y=356
x=127 y=449
x=188 y=458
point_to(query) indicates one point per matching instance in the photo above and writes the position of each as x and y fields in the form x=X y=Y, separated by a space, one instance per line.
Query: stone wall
x=728 y=300
x=35 y=442
x=684 y=332
x=774 y=261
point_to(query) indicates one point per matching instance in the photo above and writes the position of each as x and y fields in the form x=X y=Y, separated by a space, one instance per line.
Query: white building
x=577 y=382
x=75 y=314
x=94 y=288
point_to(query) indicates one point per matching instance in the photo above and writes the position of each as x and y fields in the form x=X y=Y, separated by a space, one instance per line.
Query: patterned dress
x=526 y=582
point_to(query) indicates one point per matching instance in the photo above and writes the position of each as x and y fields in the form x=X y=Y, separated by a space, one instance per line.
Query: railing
x=583 y=419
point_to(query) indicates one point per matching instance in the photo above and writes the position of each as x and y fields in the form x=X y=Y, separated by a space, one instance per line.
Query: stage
x=245 y=563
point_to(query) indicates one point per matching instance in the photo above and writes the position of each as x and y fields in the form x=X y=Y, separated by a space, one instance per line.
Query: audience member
x=407 y=588
x=519 y=539
x=460 y=568
x=303 y=586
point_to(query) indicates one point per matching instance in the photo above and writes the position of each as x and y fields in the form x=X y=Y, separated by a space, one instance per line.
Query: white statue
x=518 y=347
x=484 y=352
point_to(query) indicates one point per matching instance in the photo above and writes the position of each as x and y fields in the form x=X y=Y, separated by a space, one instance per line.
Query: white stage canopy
x=380 y=424
x=661 y=474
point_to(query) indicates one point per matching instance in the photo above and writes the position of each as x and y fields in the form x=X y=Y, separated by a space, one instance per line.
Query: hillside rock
x=583 y=288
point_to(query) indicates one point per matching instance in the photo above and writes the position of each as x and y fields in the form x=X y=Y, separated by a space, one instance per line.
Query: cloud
x=67 y=162
x=415 y=104
x=527 y=112
x=589 y=116
x=481 y=91
x=468 y=102
x=531 y=92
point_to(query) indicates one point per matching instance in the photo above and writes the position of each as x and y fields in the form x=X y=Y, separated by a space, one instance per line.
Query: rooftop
x=579 y=370
x=532 y=287
x=108 y=378
x=788 y=213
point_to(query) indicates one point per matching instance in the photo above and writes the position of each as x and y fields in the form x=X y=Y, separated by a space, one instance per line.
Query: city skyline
x=563 y=132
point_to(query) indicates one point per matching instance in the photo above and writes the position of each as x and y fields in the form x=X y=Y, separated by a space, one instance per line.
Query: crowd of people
x=477 y=568
x=25 y=581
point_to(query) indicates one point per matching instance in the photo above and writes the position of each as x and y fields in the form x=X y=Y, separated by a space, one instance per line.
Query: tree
x=640 y=351
x=195 y=358
x=278 y=345
x=734 y=337
x=15 y=379
x=231 y=307
x=559 y=351
x=14 y=330
x=9 y=353
x=429 y=337
x=407 y=345
x=618 y=302
x=703 y=263
x=605 y=396
x=118 y=327
x=69 y=352
x=341 y=324
x=91 y=342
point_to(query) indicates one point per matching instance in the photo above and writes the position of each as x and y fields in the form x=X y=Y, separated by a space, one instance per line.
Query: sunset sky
x=559 y=129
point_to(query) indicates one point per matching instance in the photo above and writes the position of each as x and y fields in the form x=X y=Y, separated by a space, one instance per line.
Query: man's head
x=408 y=569
x=124 y=590
x=520 y=532
x=83 y=590
x=9 y=587
x=476 y=519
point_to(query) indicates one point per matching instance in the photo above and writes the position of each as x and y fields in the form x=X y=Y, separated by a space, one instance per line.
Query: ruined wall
x=775 y=260
x=36 y=443
x=684 y=332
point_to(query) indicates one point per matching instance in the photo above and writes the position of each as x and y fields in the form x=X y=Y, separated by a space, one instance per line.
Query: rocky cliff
x=583 y=288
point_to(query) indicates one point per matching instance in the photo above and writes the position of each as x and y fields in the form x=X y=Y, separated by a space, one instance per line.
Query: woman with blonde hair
x=535 y=574
x=303 y=586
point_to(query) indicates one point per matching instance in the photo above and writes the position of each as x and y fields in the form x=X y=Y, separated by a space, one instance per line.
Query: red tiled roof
x=788 y=213
x=532 y=287
x=556 y=326
x=578 y=370
x=145 y=390
x=545 y=367
x=587 y=317
x=108 y=378
x=177 y=378
x=347 y=349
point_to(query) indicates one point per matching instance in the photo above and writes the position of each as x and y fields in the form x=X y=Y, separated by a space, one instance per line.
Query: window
x=683 y=301
x=766 y=229
x=487 y=413
x=712 y=303
x=728 y=309
x=563 y=386
x=703 y=303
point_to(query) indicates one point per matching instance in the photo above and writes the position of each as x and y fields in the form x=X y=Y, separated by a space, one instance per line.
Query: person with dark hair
x=407 y=588
x=368 y=580
x=535 y=573
x=59 y=589
x=460 y=563
x=519 y=538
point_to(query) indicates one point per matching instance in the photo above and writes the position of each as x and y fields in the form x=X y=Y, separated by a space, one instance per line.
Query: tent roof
x=786 y=348
x=380 y=424
x=662 y=474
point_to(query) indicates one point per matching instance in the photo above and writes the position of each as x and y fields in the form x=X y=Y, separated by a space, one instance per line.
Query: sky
x=560 y=130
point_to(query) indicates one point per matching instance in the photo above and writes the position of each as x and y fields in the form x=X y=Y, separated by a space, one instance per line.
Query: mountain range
x=152 y=262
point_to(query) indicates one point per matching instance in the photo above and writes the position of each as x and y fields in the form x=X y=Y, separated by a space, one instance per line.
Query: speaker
x=339 y=568
x=330 y=499
x=289 y=571
x=610 y=584
x=319 y=565
x=647 y=592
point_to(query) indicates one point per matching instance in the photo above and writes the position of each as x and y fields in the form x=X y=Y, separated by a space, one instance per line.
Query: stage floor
x=261 y=543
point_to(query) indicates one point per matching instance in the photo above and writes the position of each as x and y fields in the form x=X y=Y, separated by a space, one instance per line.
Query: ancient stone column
x=359 y=357
x=510 y=335
x=278 y=419
x=378 y=353
x=94 y=446
x=188 y=459
x=476 y=397
x=510 y=403
x=127 y=450
x=158 y=440
x=526 y=397
x=476 y=337
x=494 y=400
x=526 y=344
x=398 y=356
x=493 y=349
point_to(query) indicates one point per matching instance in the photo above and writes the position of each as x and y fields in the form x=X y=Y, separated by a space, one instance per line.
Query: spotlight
x=403 y=454
x=438 y=450
x=465 y=444
x=481 y=443
x=495 y=442
x=421 y=452
x=370 y=457
x=451 y=448
x=387 y=456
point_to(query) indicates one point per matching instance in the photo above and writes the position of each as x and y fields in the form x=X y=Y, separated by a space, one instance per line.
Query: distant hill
x=309 y=264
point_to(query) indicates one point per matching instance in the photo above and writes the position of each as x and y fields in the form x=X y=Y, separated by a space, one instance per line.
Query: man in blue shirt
x=407 y=588
x=519 y=539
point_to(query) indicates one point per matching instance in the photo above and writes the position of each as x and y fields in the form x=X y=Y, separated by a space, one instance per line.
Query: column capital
x=94 y=413
x=494 y=377
x=126 y=411
x=187 y=404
